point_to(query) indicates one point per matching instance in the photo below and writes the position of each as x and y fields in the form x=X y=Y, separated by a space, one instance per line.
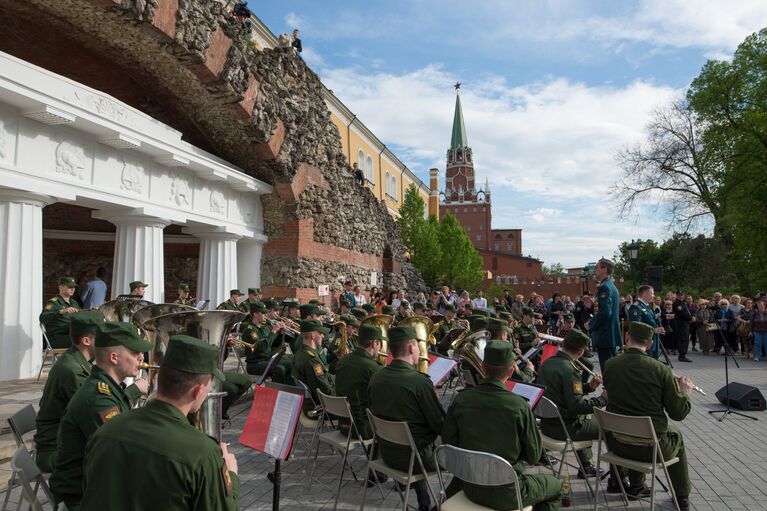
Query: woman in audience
x=704 y=319
x=725 y=319
x=758 y=327
x=743 y=329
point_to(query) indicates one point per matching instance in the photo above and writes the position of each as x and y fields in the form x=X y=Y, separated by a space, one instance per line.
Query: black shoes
x=684 y=359
x=589 y=470
x=684 y=503
x=637 y=492
x=613 y=487
x=547 y=460
x=382 y=478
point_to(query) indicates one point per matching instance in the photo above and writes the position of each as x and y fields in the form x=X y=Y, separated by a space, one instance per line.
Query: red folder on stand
x=272 y=422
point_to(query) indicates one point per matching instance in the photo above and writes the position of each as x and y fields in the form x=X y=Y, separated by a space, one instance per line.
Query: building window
x=387 y=183
x=361 y=162
x=369 y=170
x=468 y=228
x=497 y=247
x=495 y=263
x=465 y=210
x=483 y=209
x=479 y=237
x=481 y=227
x=473 y=210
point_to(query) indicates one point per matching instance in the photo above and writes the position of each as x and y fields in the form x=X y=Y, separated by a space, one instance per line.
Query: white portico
x=62 y=142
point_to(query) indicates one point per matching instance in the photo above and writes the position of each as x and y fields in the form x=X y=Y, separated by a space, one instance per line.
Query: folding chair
x=480 y=468
x=547 y=409
x=25 y=470
x=306 y=422
x=54 y=353
x=397 y=433
x=338 y=407
x=633 y=431
x=21 y=423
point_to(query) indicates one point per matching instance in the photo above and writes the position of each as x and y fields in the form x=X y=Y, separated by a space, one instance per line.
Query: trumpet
x=239 y=344
x=146 y=366
x=293 y=331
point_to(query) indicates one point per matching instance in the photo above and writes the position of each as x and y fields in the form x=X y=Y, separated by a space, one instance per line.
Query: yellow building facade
x=385 y=175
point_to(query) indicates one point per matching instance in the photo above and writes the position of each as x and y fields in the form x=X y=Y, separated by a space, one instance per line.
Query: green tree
x=460 y=264
x=427 y=252
x=553 y=269
x=411 y=218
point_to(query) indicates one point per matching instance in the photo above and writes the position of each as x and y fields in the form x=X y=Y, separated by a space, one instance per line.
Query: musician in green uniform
x=525 y=334
x=477 y=323
x=254 y=295
x=369 y=308
x=403 y=311
x=352 y=331
x=448 y=323
x=419 y=309
x=119 y=351
x=489 y=418
x=663 y=397
x=259 y=333
x=184 y=297
x=587 y=359
x=67 y=375
x=152 y=458
x=561 y=375
x=359 y=313
x=388 y=310
x=233 y=303
x=500 y=331
x=57 y=313
x=642 y=311
x=400 y=393
x=308 y=366
x=137 y=288
x=353 y=375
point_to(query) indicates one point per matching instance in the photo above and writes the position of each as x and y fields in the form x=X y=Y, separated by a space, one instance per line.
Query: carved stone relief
x=132 y=177
x=217 y=202
x=70 y=159
x=180 y=191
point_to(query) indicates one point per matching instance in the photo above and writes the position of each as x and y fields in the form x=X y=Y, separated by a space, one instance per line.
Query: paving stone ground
x=727 y=460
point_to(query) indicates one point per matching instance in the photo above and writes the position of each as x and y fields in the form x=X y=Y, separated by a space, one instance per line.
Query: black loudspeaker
x=742 y=397
x=653 y=276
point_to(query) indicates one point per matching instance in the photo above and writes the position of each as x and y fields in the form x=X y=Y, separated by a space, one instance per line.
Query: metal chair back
x=481 y=468
x=25 y=469
x=335 y=405
x=23 y=422
x=395 y=432
x=639 y=430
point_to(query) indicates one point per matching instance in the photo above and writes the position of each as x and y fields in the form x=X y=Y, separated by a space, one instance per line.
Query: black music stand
x=727 y=354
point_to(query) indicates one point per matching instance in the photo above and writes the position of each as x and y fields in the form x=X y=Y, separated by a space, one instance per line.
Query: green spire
x=459 y=129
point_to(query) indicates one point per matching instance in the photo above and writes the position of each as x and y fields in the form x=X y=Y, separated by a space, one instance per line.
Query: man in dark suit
x=681 y=325
x=296 y=41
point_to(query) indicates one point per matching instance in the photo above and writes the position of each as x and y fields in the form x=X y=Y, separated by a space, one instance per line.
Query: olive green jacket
x=311 y=368
x=262 y=337
x=489 y=418
x=99 y=400
x=639 y=385
x=564 y=386
x=66 y=376
x=525 y=336
x=152 y=458
x=57 y=325
x=353 y=374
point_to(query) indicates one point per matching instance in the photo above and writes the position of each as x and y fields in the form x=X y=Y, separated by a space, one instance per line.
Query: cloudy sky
x=551 y=90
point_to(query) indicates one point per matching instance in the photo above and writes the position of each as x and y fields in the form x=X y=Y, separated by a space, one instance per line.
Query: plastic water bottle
x=567 y=490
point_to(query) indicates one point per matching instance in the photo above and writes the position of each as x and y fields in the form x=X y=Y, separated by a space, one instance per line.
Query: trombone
x=290 y=326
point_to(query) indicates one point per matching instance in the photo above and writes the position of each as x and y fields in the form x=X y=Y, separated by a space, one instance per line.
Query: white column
x=217 y=267
x=249 y=252
x=21 y=282
x=139 y=253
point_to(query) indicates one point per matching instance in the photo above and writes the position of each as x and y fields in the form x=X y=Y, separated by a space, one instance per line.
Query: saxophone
x=342 y=341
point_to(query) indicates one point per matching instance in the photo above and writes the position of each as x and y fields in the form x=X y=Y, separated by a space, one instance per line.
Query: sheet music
x=532 y=393
x=284 y=416
x=439 y=368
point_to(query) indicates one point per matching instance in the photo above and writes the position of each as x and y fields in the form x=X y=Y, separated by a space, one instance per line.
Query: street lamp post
x=633 y=249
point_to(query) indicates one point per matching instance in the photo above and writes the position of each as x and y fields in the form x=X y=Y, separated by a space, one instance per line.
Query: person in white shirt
x=480 y=302
x=359 y=297
x=397 y=300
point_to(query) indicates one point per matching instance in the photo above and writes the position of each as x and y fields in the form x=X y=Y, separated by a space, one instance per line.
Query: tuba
x=122 y=309
x=424 y=328
x=212 y=327
x=382 y=321
x=471 y=348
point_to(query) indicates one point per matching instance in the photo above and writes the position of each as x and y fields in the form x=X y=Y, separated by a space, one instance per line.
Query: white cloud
x=293 y=20
x=547 y=148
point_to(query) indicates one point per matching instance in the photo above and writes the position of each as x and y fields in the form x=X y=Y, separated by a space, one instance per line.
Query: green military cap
x=491 y=314
x=309 y=309
x=258 y=307
x=405 y=304
x=359 y=313
x=527 y=311
x=183 y=286
x=478 y=322
x=313 y=325
x=482 y=312
x=370 y=333
x=85 y=323
x=568 y=317
x=235 y=292
x=254 y=291
x=641 y=332
x=418 y=306
x=401 y=333
x=191 y=355
x=293 y=303
x=576 y=339
x=496 y=325
x=369 y=307
x=137 y=283
x=349 y=319
x=449 y=307
x=67 y=281
x=271 y=304
x=345 y=302
x=499 y=353
x=499 y=307
x=506 y=315
x=121 y=334
x=315 y=302
x=387 y=309
x=429 y=306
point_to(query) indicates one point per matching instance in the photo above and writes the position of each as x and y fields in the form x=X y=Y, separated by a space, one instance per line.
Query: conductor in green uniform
x=353 y=375
x=119 y=350
x=67 y=375
x=308 y=366
x=152 y=458
x=489 y=418
x=561 y=376
x=400 y=393
x=57 y=313
x=662 y=397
